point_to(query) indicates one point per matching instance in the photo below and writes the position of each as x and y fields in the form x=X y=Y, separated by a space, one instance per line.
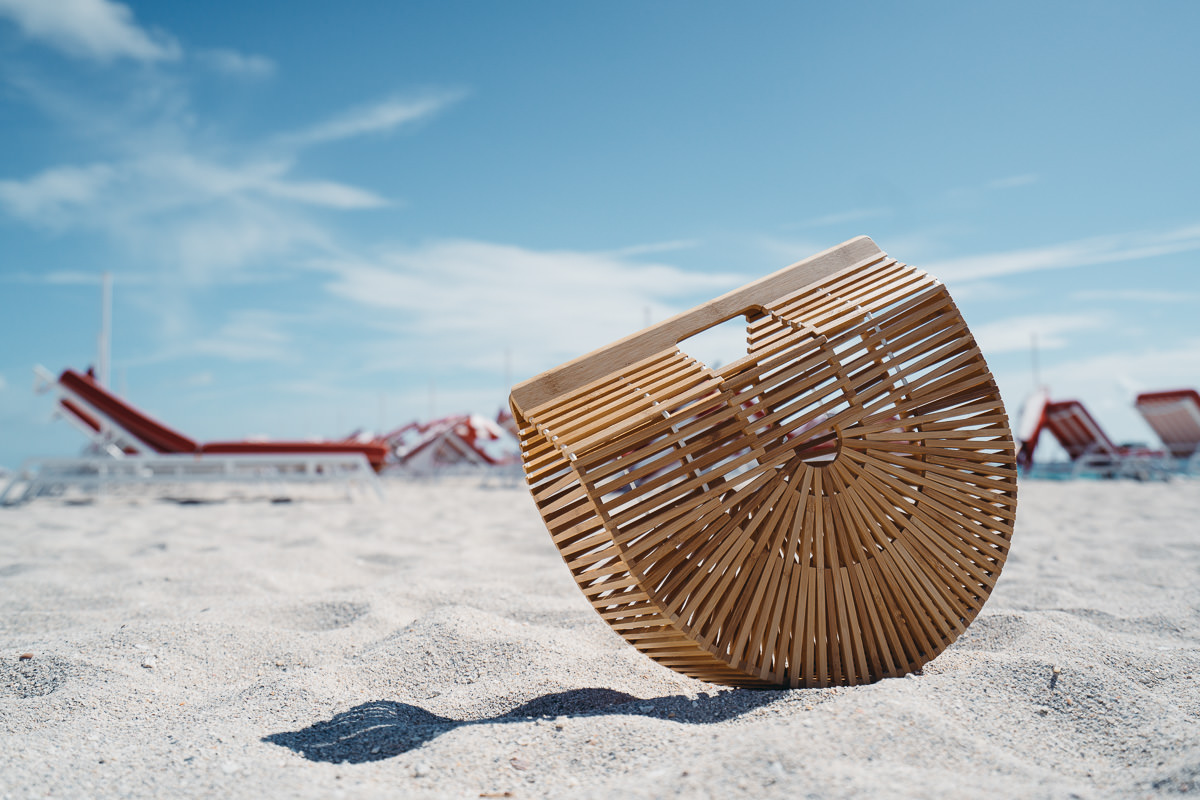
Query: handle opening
x=721 y=343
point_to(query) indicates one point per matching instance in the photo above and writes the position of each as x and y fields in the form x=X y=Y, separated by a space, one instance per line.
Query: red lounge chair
x=1175 y=417
x=1029 y=427
x=461 y=440
x=93 y=408
x=1089 y=447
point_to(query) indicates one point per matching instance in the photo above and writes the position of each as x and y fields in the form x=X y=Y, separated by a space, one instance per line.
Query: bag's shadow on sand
x=385 y=728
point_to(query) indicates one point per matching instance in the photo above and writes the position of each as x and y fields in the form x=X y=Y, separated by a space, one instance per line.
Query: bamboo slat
x=831 y=509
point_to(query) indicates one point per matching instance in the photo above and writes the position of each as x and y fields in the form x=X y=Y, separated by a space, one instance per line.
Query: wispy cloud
x=223 y=243
x=787 y=251
x=1170 y=366
x=989 y=291
x=324 y=193
x=53 y=278
x=250 y=335
x=1017 y=333
x=1013 y=181
x=380 y=117
x=235 y=64
x=1080 y=253
x=653 y=247
x=1158 y=296
x=843 y=217
x=202 y=215
x=199 y=207
x=49 y=197
x=467 y=301
x=94 y=29
x=976 y=193
x=188 y=176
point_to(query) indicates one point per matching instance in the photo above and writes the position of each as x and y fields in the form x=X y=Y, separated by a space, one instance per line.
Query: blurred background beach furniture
x=1090 y=452
x=127 y=450
x=1175 y=417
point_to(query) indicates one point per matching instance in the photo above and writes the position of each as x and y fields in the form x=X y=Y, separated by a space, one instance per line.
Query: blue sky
x=320 y=218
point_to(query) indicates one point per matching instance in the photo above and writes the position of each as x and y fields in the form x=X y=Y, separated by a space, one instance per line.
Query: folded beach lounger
x=1175 y=417
x=96 y=410
x=832 y=508
x=460 y=440
x=1030 y=426
x=1090 y=448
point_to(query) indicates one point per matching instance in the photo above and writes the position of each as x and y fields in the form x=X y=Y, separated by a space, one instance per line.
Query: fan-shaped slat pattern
x=833 y=508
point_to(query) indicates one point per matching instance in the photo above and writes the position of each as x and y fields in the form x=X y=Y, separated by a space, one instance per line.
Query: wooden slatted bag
x=833 y=508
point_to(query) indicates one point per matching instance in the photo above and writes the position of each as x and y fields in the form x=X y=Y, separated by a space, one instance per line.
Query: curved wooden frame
x=831 y=509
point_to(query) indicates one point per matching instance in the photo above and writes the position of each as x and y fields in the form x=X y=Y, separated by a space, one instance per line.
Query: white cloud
x=1081 y=253
x=468 y=301
x=1167 y=367
x=378 y=118
x=654 y=247
x=54 y=278
x=213 y=213
x=216 y=245
x=323 y=193
x=195 y=177
x=55 y=193
x=843 y=217
x=3 y=383
x=68 y=277
x=1013 y=182
x=1161 y=296
x=989 y=291
x=206 y=217
x=238 y=65
x=249 y=335
x=95 y=29
x=789 y=251
x=1016 y=333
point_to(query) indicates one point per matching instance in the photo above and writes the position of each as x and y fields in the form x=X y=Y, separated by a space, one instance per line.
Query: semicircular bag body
x=830 y=509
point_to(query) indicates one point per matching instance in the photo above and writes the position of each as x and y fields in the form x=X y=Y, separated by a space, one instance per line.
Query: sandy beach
x=434 y=645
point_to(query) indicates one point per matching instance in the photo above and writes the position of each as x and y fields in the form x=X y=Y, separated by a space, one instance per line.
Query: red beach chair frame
x=120 y=429
x=1090 y=448
x=1175 y=417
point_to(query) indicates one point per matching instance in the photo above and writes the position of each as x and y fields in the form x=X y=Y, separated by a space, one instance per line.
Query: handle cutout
x=718 y=345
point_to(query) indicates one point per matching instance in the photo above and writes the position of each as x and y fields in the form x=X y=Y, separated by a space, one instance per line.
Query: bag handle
x=664 y=335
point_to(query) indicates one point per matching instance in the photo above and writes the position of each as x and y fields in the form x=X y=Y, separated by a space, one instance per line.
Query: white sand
x=435 y=645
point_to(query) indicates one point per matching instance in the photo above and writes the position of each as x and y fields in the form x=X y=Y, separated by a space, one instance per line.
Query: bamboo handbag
x=831 y=509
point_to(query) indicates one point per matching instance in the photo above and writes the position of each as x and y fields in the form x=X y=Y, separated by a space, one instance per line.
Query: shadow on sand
x=384 y=728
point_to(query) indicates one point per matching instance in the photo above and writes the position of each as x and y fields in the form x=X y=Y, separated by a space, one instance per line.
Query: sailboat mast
x=1037 y=377
x=103 y=341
